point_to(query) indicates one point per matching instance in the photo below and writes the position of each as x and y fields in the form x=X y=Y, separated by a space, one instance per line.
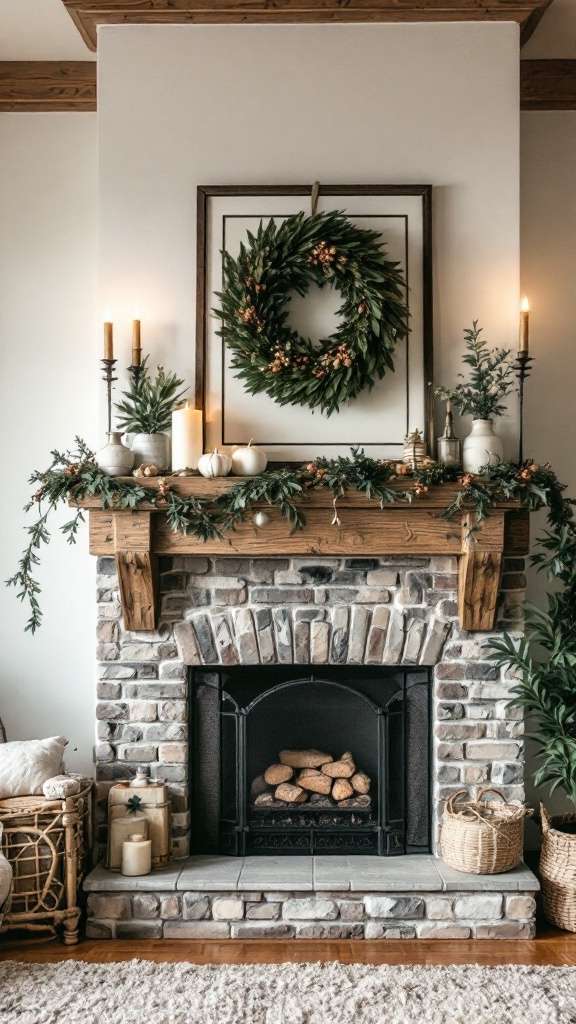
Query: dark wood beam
x=45 y=85
x=548 y=85
x=88 y=14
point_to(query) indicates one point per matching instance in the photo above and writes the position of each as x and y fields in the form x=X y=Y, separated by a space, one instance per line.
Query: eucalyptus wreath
x=323 y=249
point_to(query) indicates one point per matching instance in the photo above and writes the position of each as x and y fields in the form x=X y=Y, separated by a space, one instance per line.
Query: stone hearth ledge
x=217 y=898
x=416 y=872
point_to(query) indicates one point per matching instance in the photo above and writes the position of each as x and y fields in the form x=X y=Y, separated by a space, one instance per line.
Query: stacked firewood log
x=312 y=776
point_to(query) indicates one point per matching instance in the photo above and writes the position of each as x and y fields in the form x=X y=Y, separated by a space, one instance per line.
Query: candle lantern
x=449 y=446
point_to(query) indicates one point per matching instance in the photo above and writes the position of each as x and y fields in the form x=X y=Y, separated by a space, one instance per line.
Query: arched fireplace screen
x=374 y=725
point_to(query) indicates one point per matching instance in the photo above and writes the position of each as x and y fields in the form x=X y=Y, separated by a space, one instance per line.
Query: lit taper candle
x=524 y=326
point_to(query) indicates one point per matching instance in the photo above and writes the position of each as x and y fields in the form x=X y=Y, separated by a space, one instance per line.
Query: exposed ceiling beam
x=88 y=14
x=71 y=85
x=45 y=85
x=548 y=84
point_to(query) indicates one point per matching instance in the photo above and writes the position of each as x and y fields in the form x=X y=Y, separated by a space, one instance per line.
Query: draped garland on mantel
x=73 y=476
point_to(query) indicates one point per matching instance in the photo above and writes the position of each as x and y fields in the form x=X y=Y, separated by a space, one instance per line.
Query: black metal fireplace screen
x=246 y=719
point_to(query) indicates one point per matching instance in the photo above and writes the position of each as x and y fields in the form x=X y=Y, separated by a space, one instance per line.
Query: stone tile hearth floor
x=418 y=873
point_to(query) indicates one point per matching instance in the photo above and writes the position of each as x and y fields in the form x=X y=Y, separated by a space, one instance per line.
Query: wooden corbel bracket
x=137 y=568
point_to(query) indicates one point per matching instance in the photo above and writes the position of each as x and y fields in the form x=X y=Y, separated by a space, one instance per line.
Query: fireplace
x=250 y=625
x=352 y=656
x=244 y=720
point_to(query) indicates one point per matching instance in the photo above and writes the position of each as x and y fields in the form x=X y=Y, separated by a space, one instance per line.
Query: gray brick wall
x=394 y=610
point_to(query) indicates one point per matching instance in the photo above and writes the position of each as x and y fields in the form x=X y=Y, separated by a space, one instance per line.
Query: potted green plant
x=481 y=396
x=544 y=665
x=146 y=412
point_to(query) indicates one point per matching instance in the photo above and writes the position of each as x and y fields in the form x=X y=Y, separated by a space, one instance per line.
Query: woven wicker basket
x=483 y=837
x=558 y=871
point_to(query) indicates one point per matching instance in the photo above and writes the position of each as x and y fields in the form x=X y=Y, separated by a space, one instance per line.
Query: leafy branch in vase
x=490 y=381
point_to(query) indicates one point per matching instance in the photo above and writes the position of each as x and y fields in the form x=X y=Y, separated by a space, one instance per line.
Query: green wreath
x=269 y=356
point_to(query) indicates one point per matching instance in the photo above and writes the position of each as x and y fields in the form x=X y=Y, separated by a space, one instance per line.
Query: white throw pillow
x=26 y=765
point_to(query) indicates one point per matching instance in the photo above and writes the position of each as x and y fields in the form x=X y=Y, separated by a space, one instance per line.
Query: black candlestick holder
x=523 y=367
x=108 y=367
x=135 y=371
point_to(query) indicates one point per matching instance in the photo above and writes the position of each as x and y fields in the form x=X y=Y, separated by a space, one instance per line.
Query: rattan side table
x=48 y=845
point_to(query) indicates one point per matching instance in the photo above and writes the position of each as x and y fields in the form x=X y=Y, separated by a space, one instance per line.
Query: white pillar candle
x=121 y=828
x=137 y=856
x=186 y=437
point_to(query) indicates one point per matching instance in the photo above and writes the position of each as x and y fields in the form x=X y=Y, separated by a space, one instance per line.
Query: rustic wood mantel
x=137 y=538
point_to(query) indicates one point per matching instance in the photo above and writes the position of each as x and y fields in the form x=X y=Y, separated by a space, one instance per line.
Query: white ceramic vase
x=115 y=459
x=154 y=448
x=482 y=447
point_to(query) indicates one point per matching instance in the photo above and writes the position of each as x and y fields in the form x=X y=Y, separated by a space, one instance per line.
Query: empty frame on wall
x=377 y=420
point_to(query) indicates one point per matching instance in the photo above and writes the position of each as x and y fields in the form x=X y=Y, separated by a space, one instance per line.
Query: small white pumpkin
x=248 y=461
x=215 y=464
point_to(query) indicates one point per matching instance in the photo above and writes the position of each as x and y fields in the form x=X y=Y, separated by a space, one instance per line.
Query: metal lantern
x=449 y=446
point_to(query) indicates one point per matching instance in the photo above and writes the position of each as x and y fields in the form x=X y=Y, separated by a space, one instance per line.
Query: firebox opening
x=310 y=759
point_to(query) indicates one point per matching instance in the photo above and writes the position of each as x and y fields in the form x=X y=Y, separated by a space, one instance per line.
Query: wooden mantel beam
x=45 y=85
x=136 y=538
x=89 y=14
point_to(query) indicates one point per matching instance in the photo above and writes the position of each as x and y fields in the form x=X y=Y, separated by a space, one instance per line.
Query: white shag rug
x=142 y=992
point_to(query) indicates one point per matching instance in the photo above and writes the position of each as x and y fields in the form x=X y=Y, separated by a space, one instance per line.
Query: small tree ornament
x=415 y=450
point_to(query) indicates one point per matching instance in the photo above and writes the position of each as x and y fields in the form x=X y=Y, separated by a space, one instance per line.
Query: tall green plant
x=491 y=378
x=545 y=659
x=148 y=404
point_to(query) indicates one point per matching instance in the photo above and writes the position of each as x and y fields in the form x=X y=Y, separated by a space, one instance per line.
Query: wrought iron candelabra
x=108 y=366
x=523 y=367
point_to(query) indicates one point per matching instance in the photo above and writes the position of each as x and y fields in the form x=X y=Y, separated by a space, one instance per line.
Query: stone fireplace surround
x=395 y=610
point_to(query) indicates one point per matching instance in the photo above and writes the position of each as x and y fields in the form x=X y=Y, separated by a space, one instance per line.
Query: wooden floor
x=551 y=947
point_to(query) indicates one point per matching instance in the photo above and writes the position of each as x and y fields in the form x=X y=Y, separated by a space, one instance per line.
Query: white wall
x=48 y=388
x=39 y=30
x=548 y=223
x=555 y=36
x=180 y=106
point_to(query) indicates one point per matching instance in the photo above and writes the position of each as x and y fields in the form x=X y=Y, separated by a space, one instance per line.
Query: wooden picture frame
x=416 y=217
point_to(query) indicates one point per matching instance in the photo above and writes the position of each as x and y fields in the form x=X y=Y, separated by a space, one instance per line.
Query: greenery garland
x=74 y=475
x=268 y=354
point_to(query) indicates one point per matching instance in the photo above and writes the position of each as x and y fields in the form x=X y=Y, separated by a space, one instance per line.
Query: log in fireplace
x=255 y=731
